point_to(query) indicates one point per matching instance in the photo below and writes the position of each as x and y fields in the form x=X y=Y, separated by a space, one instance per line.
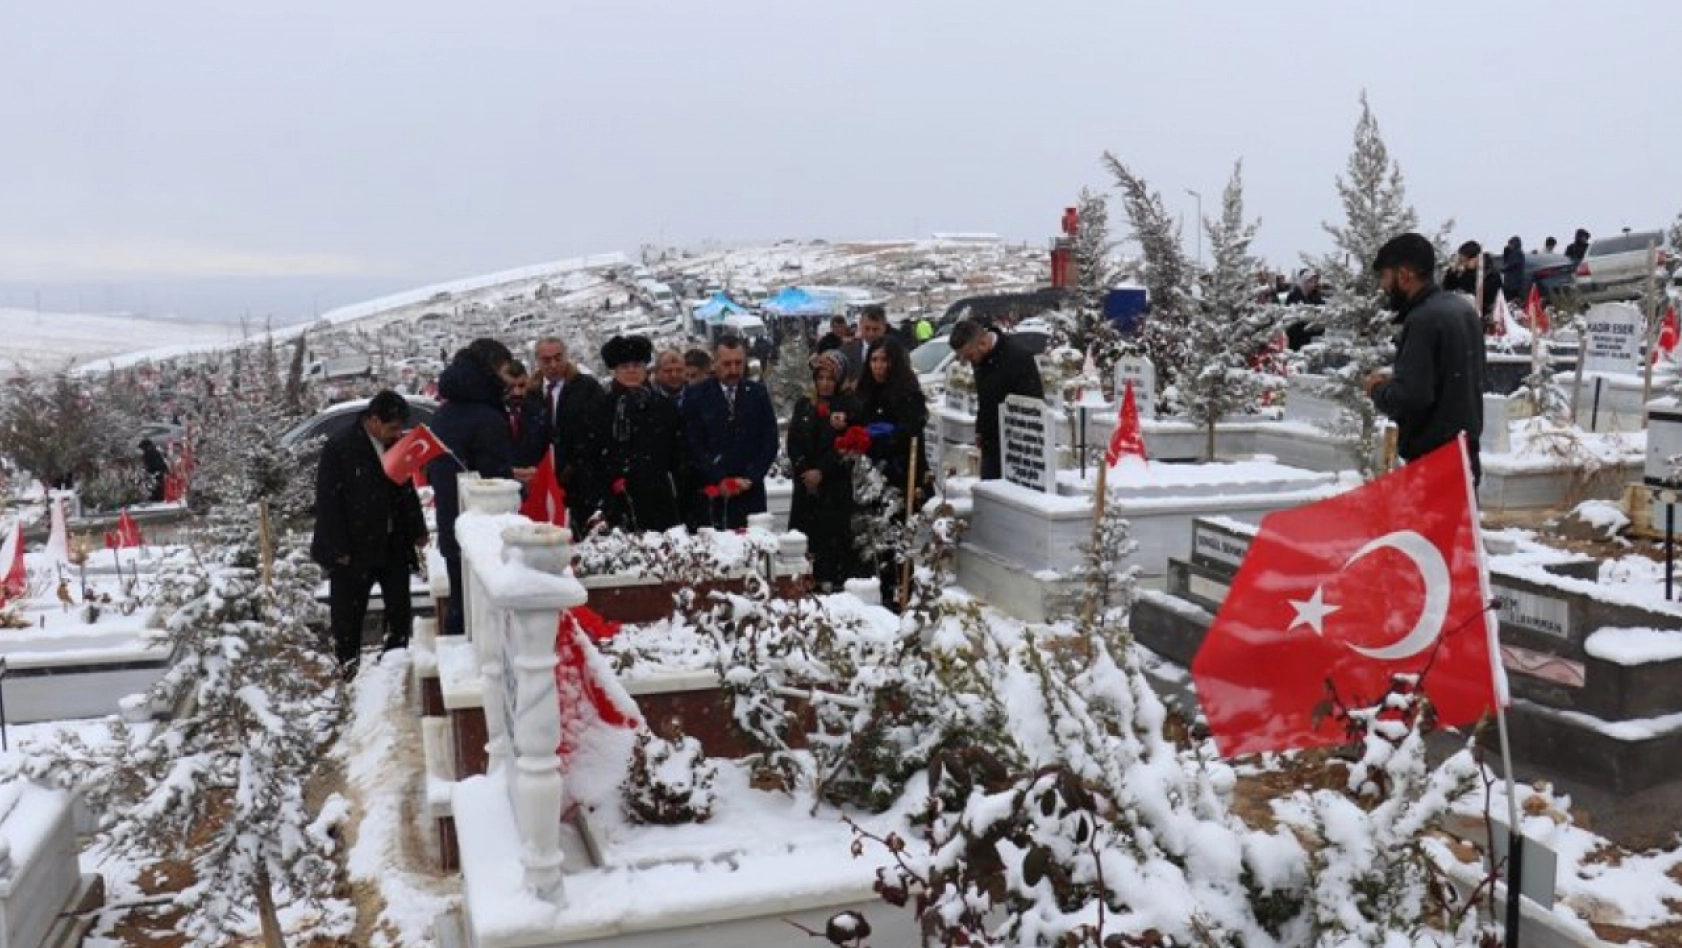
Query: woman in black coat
x=822 y=504
x=895 y=413
x=634 y=442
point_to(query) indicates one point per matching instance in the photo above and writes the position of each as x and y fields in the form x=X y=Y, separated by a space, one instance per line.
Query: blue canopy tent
x=794 y=301
x=715 y=309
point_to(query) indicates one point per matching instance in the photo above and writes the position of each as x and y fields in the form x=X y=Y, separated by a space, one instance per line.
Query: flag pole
x=1498 y=684
x=1098 y=504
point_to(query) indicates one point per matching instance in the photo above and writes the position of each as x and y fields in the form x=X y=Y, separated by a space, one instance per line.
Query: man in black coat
x=730 y=430
x=367 y=529
x=1003 y=367
x=1435 y=390
x=568 y=398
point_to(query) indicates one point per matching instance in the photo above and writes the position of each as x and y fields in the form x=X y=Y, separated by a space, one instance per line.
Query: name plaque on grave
x=1027 y=443
x=1612 y=338
x=1527 y=610
x=1139 y=371
x=1212 y=546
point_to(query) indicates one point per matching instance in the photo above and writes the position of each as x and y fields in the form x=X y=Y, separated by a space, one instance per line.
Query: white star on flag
x=1312 y=611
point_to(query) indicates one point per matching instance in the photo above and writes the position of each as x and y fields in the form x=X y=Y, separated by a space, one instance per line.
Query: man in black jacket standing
x=1003 y=367
x=568 y=398
x=1435 y=390
x=367 y=529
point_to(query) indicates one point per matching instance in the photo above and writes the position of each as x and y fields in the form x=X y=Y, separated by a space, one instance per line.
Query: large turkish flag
x=1338 y=596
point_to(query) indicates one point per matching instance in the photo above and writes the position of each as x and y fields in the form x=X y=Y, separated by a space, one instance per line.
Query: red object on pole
x=1128 y=438
x=545 y=501
x=128 y=532
x=1071 y=221
x=16 y=581
x=1335 y=598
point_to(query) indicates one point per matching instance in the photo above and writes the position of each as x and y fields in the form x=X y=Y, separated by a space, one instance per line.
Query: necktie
x=549 y=396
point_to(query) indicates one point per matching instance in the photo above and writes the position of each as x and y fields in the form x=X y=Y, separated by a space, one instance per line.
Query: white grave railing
x=518 y=580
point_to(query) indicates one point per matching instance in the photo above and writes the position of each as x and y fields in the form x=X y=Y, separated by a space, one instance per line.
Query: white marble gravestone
x=1139 y=371
x=1612 y=334
x=1028 y=443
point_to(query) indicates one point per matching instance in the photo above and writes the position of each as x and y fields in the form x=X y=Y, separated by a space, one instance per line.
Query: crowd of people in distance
x=662 y=440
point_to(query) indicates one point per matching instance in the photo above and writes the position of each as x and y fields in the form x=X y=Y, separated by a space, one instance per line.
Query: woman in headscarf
x=822 y=504
x=634 y=446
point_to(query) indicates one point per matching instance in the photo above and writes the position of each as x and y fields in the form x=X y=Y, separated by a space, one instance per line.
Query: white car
x=1617 y=268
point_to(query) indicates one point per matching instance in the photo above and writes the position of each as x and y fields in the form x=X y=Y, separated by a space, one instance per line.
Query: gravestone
x=1612 y=338
x=1139 y=371
x=1028 y=443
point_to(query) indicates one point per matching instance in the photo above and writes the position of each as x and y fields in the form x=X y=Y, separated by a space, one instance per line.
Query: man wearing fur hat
x=633 y=445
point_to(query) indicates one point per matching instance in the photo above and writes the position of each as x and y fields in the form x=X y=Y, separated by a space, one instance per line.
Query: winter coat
x=529 y=431
x=730 y=442
x=359 y=512
x=634 y=439
x=1466 y=281
x=472 y=422
x=907 y=414
x=1435 y=391
x=568 y=424
x=825 y=516
x=157 y=469
x=1009 y=369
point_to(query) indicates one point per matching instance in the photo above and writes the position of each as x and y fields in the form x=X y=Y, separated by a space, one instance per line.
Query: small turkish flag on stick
x=545 y=501
x=1128 y=437
x=1535 y=312
x=412 y=452
x=1336 y=597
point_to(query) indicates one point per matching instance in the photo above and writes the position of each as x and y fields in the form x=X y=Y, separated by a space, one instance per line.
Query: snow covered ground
x=51 y=342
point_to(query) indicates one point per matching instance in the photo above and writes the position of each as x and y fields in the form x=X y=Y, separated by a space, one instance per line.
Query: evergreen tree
x=1230 y=332
x=1360 y=336
x=1167 y=277
x=222 y=783
x=1083 y=326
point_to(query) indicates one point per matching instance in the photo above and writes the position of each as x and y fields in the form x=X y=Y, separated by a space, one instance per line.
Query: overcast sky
x=414 y=141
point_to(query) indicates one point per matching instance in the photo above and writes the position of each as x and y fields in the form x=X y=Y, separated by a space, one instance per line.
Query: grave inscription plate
x=1028 y=443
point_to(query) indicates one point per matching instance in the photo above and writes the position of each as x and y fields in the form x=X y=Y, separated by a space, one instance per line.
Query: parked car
x=1553 y=272
x=336 y=418
x=1617 y=268
x=931 y=359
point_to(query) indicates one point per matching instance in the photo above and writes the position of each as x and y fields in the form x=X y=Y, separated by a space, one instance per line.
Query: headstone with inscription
x=1139 y=371
x=1612 y=338
x=1028 y=443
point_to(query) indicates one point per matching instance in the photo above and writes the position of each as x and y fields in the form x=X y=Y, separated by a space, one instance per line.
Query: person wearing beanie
x=822 y=505
x=633 y=447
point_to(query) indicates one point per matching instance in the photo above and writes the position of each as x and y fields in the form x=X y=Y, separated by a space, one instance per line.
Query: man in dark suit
x=568 y=398
x=730 y=430
x=367 y=529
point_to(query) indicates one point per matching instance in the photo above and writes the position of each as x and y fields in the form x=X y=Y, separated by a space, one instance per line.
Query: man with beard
x=1434 y=391
x=367 y=529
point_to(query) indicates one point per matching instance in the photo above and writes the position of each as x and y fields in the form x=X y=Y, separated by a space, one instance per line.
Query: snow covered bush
x=223 y=782
x=670 y=781
x=673 y=556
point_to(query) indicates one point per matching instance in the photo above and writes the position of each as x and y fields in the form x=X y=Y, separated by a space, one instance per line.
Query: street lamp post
x=1199 y=198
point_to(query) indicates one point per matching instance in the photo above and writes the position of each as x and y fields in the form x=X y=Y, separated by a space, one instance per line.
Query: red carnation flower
x=619 y=485
x=823 y=410
x=711 y=490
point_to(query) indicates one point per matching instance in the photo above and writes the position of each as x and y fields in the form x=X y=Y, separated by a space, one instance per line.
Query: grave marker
x=1028 y=443
x=1612 y=338
x=1139 y=371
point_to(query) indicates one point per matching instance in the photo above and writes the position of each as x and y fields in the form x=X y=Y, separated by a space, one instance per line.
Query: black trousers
x=348 y=590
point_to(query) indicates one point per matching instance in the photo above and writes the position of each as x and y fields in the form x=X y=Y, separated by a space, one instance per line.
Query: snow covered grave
x=39 y=875
x=530 y=880
x=1595 y=666
x=1023 y=546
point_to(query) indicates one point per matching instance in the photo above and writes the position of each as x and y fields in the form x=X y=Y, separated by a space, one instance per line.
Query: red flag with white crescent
x=1336 y=597
x=412 y=452
x=545 y=501
x=128 y=532
x=1535 y=312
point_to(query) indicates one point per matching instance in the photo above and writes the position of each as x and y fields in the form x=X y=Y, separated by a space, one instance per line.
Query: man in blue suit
x=730 y=430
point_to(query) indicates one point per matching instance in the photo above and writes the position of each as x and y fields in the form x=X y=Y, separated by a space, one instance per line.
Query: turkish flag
x=1336 y=597
x=545 y=501
x=1535 y=312
x=15 y=584
x=589 y=693
x=411 y=452
x=128 y=532
x=1668 y=332
x=1128 y=438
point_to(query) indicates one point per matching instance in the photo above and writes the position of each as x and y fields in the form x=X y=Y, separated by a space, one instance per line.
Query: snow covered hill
x=51 y=342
